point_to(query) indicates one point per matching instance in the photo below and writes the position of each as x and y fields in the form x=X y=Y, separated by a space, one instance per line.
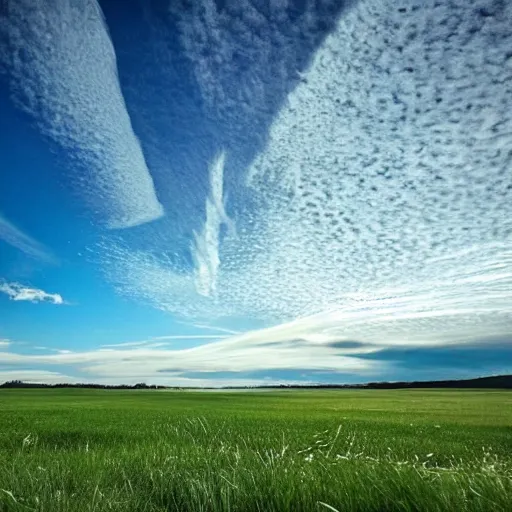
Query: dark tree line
x=21 y=384
x=493 y=382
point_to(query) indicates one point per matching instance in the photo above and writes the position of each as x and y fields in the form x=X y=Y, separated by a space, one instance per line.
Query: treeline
x=21 y=384
x=494 y=382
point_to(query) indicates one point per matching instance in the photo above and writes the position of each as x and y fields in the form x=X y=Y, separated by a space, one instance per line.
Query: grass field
x=366 y=450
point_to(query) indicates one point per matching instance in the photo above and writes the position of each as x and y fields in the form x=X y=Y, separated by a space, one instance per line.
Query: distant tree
x=495 y=381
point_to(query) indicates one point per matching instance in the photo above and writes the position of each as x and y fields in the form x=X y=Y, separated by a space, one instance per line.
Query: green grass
x=364 y=450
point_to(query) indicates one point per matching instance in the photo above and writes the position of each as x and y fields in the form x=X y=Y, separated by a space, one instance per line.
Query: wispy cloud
x=4 y=343
x=190 y=337
x=62 y=67
x=319 y=343
x=205 y=250
x=215 y=328
x=19 y=292
x=17 y=238
x=133 y=344
x=136 y=344
x=270 y=349
x=162 y=341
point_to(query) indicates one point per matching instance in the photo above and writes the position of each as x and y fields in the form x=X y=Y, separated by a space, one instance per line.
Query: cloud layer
x=205 y=250
x=62 y=70
x=310 y=350
x=282 y=348
x=389 y=155
x=18 y=292
x=383 y=195
x=374 y=213
x=14 y=236
x=247 y=56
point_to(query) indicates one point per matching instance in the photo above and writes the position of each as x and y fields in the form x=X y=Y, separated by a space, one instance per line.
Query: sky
x=255 y=192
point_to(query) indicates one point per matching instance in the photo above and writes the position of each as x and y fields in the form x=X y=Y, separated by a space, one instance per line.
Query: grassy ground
x=364 y=450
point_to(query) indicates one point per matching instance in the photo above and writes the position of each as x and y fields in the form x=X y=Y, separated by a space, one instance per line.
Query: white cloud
x=280 y=348
x=128 y=344
x=62 y=69
x=382 y=196
x=158 y=341
x=369 y=171
x=17 y=238
x=245 y=55
x=4 y=343
x=319 y=343
x=190 y=337
x=205 y=250
x=18 y=292
x=215 y=328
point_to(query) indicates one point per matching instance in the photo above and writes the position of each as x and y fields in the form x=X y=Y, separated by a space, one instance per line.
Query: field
x=79 y=450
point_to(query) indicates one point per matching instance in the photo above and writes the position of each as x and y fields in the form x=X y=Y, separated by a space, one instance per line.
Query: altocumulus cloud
x=380 y=206
x=378 y=213
x=62 y=69
x=19 y=292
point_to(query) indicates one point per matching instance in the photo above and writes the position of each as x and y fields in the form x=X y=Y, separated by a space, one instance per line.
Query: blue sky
x=225 y=193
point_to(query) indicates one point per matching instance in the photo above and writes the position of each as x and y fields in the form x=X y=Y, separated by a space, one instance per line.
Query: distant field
x=365 y=450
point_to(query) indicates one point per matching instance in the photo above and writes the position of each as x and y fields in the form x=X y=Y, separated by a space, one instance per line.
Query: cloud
x=381 y=201
x=369 y=172
x=317 y=347
x=214 y=328
x=4 y=343
x=205 y=250
x=450 y=299
x=62 y=69
x=18 y=292
x=160 y=341
x=190 y=337
x=156 y=341
x=479 y=357
x=17 y=238
x=134 y=344
x=263 y=350
x=246 y=56
x=163 y=341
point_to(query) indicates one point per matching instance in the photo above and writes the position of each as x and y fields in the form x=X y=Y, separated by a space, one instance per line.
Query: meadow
x=77 y=450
